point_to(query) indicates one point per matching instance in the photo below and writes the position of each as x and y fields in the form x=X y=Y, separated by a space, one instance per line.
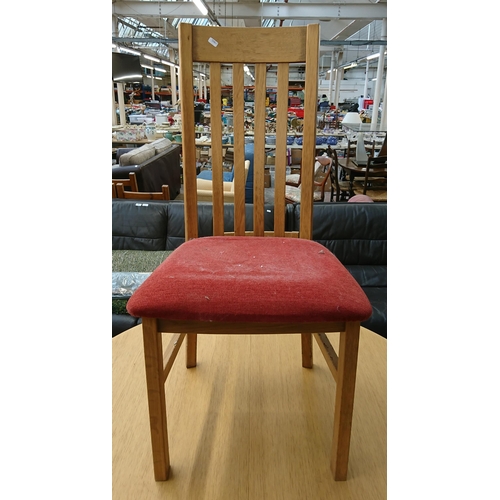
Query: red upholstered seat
x=274 y=280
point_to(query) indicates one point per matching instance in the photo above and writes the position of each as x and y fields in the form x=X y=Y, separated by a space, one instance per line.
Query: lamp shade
x=351 y=118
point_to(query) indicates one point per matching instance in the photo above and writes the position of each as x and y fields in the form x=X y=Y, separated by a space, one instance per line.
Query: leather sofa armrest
x=119 y=172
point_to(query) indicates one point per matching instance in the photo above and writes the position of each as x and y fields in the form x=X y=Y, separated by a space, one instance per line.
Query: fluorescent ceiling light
x=352 y=65
x=373 y=56
x=201 y=6
x=151 y=58
x=128 y=77
x=146 y=66
x=168 y=63
x=163 y=70
x=129 y=51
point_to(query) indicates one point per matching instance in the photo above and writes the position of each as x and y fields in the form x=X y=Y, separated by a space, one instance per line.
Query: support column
x=152 y=85
x=121 y=103
x=330 y=83
x=173 y=79
x=113 y=105
x=383 y=120
x=380 y=75
x=365 y=88
x=339 y=71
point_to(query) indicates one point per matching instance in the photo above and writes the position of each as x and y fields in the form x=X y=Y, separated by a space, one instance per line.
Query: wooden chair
x=374 y=183
x=250 y=281
x=323 y=168
x=362 y=177
x=142 y=195
x=130 y=183
x=340 y=189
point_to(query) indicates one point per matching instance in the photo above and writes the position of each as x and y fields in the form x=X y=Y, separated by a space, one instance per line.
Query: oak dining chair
x=242 y=281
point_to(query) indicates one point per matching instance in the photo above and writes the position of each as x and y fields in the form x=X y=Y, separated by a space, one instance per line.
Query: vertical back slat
x=188 y=134
x=216 y=141
x=239 y=149
x=281 y=158
x=259 y=157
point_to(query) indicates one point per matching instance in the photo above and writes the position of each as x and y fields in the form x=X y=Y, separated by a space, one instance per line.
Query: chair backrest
x=140 y=195
x=257 y=48
x=383 y=149
x=322 y=173
x=131 y=182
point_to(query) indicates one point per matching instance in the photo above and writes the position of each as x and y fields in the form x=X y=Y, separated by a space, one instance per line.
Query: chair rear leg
x=155 y=382
x=344 y=399
x=192 y=339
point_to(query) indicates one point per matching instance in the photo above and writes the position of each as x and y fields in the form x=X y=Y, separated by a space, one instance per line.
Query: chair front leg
x=344 y=399
x=153 y=357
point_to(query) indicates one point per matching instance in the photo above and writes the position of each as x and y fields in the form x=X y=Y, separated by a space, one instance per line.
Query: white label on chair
x=213 y=42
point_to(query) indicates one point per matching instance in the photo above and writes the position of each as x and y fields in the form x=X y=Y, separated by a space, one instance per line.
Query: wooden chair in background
x=130 y=183
x=340 y=189
x=374 y=182
x=164 y=194
x=323 y=167
x=254 y=269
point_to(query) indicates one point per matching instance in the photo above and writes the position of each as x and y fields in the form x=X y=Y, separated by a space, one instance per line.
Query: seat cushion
x=251 y=279
x=292 y=193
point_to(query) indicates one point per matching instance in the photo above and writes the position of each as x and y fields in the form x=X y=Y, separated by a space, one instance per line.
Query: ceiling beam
x=167 y=41
x=249 y=10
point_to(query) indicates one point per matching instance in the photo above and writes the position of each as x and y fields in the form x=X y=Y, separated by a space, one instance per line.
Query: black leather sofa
x=163 y=168
x=355 y=232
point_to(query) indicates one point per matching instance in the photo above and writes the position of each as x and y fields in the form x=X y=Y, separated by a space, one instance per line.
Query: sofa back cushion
x=176 y=234
x=137 y=155
x=139 y=225
x=356 y=233
x=161 y=145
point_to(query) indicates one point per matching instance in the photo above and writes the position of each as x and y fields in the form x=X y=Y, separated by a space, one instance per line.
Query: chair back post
x=309 y=137
x=188 y=134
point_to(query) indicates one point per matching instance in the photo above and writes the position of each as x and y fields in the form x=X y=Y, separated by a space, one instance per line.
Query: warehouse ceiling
x=351 y=28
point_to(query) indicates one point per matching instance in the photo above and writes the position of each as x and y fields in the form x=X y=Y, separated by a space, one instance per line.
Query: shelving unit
x=145 y=94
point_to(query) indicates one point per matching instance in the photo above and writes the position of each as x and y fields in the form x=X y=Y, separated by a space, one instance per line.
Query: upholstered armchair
x=205 y=190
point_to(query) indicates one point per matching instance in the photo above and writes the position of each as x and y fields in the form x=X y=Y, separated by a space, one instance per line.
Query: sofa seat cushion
x=137 y=155
x=377 y=322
